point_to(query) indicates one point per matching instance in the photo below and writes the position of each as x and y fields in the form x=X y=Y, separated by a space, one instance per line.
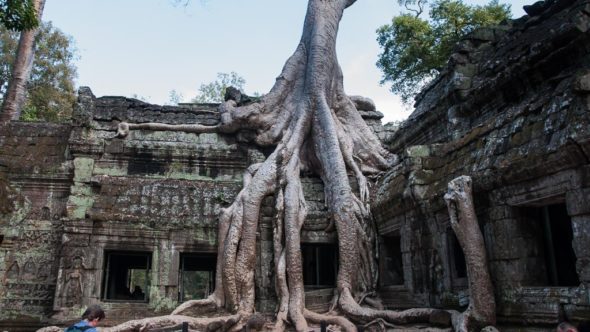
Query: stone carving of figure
x=29 y=270
x=74 y=284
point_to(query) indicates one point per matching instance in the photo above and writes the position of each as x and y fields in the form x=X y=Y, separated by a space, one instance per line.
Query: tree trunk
x=14 y=98
x=482 y=304
x=313 y=126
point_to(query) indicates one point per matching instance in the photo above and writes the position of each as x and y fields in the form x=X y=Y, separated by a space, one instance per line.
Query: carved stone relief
x=27 y=285
x=70 y=292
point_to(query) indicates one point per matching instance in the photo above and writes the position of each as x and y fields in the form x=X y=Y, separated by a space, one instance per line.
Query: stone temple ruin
x=131 y=224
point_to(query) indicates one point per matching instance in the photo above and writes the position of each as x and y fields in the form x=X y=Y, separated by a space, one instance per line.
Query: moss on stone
x=418 y=151
x=159 y=302
x=78 y=205
x=83 y=169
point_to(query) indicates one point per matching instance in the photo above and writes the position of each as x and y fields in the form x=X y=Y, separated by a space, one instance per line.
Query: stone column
x=578 y=208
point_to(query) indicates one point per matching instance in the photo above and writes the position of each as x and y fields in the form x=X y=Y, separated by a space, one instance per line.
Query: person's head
x=93 y=314
x=566 y=327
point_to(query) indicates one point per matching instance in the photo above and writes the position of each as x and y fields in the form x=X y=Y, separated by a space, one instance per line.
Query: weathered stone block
x=583 y=269
x=582 y=20
x=581 y=236
x=537 y=8
x=418 y=151
x=467 y=70
x=500 y=212
x=577 y=202
x=483 y=34
x=460 y=81
x=83 y=168
x=82 y=113
x=421 y=177
x=78 y=206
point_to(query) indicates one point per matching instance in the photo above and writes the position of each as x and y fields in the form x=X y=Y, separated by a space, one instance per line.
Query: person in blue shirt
x=90 y=319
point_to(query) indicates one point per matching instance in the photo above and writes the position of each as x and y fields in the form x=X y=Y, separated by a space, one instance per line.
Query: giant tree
x=313 y=126
x=50 y=88
x=15 y=96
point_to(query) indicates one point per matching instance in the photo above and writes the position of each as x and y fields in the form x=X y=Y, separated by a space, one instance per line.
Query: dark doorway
x=319 y=265
x=392 y=268
x=197 y=276
x=457 y=257
x=127 y=276
x=554 y=244
x=557 y=226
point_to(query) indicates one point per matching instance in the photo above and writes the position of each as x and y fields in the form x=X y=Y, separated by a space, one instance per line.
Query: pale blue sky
x=150 y=47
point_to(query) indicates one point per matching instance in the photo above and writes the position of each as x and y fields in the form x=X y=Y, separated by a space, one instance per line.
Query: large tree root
x=365 y=315
x=340 y=321
x=482 y=305
x=200 y=324
x=314 y=127
x=208 y=324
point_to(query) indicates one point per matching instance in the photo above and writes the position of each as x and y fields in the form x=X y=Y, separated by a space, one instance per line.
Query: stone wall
x=511 y=110
x=35 y=177
x=157 y=193
x=72 y=195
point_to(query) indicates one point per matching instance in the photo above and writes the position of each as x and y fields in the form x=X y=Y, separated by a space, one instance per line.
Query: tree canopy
x=50 y=90
x=415 y=49
x=18 y=15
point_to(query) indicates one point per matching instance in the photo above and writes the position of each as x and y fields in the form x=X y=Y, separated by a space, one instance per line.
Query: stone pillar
x=578 y=208
x=164 y=287
x=81 y=198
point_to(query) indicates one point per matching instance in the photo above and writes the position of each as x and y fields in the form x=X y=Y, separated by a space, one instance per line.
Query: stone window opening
x=319 y=262
x=554 y=237
x=196 y=276
x=391 y=261
x=127 y=276
x=457 y=261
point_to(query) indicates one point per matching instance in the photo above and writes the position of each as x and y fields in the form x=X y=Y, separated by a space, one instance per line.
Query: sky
x=147 y=48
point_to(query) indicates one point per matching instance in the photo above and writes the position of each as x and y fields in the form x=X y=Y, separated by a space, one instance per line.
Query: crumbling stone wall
x=35 y=180
x=82 y=195
x=512 y=111
x=154 y=192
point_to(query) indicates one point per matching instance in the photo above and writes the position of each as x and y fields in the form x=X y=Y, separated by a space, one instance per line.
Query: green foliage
x=414 y=49
x=30 y=113
x=50 y=89
x=214 y=92
x=18 y=15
